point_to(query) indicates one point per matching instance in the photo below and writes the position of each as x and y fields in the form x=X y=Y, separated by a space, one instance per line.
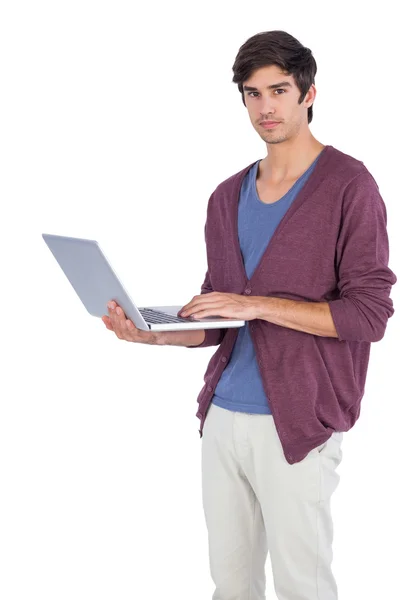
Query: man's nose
x=267 y=108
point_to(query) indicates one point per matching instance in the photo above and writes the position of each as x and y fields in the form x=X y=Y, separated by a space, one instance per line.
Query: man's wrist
x=158 y=339
x=260 y=305
x=186 y=337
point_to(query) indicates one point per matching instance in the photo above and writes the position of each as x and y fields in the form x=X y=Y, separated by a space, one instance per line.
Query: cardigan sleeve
x=362 y=255
x=213 y=336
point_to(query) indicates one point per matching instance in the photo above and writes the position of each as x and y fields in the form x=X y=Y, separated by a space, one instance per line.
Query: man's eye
x=277 y=90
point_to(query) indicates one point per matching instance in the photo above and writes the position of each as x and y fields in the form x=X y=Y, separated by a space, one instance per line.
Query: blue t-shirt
x=240 y=387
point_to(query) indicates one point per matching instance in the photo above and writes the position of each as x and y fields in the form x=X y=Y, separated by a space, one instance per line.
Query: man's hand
x=124 y=329
x=219 y=304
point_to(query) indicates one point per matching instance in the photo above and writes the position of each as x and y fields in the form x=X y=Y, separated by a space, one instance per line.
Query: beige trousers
x=255 y=502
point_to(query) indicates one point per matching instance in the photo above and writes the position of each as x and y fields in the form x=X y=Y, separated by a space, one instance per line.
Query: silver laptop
x=96 y=283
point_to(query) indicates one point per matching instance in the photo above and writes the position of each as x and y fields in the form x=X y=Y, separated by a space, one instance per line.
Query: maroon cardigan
x=331 y=245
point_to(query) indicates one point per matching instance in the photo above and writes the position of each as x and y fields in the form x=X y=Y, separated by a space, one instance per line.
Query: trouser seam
x=252 y=541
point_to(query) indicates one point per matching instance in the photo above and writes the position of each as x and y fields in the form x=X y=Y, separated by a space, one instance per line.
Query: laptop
x=96 y=283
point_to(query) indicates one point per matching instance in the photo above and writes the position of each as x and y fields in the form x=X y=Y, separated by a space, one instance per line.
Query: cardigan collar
x=307 y=189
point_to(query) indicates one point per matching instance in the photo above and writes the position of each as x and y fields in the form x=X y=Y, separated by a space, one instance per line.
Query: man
x=297 y=247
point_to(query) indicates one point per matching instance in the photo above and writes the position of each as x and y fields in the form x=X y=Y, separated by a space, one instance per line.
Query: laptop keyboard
x=155 y=316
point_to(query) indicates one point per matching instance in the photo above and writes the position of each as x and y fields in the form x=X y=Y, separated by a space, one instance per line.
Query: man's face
x=279 y=103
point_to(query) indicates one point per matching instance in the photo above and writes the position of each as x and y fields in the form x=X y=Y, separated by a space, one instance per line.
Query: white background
x=117 y=123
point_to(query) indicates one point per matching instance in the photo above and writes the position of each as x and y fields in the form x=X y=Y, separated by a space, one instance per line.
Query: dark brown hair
x=276 y=48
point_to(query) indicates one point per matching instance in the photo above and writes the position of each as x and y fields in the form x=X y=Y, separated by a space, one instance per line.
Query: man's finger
x=123 y=328
x=117 y=321
x=203 y=304
x=107 y=322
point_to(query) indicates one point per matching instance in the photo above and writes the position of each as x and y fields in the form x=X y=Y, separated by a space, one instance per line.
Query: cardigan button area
x=209 y=388
x=247 y=291
x=224 y=359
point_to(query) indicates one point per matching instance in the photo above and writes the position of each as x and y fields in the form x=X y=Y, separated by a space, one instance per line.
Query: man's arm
x=364 y=279
x=189 y=338
x=212 y=337
x=310 y=317
x=362 y=311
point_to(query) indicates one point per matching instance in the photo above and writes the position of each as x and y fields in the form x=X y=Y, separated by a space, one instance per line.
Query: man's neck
x=285 y=163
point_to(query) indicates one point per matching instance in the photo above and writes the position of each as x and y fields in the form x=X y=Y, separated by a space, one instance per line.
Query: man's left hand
x=219 y=304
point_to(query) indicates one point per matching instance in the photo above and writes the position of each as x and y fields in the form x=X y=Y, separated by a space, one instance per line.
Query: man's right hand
x=125 y=329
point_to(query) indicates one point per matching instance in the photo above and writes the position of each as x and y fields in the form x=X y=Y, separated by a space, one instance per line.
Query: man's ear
x=310 y=96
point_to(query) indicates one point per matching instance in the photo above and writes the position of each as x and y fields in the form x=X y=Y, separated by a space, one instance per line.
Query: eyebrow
x=248 y=88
